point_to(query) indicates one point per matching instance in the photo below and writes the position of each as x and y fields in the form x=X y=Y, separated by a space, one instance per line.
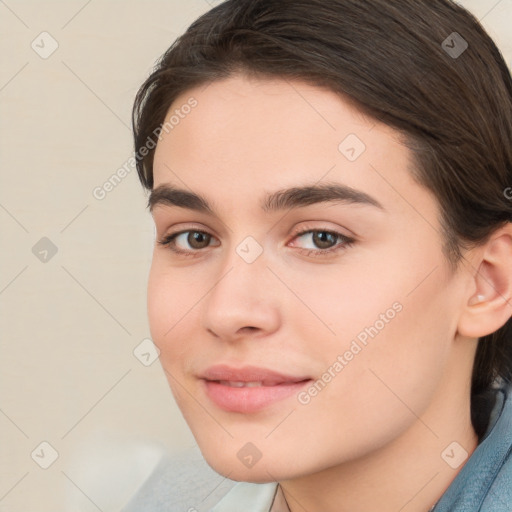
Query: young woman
x=332 y=277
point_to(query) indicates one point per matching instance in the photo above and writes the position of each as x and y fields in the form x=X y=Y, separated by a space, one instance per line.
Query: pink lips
x=248 y=389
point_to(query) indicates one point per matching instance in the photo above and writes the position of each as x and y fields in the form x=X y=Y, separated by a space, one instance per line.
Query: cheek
x=170 y=302
x=160 y=304
x=392 y=327
x=338 y=303
x=381 y=386
x=401 y=362
x=169 y=307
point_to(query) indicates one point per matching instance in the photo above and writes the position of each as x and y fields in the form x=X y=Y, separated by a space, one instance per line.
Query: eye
x=323 y=241
x=194 y=239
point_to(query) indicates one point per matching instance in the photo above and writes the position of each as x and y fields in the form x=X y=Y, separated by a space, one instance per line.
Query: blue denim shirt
x=484 y=484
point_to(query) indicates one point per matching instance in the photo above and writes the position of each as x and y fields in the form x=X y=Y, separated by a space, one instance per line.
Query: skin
x=372 y=439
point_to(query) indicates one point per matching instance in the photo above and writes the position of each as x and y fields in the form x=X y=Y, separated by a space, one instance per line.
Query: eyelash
x=346 y=242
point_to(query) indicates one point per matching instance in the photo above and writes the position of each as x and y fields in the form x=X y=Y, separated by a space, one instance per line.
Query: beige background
x=70 y=324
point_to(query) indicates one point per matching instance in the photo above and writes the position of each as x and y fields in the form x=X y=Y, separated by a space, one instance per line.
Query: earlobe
x=490 y=306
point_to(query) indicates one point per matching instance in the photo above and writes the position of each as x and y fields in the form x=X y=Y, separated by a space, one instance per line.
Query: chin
x=232 y=465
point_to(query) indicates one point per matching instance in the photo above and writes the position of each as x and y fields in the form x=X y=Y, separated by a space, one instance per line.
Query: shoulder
x=183 y=483
x=497 y=457
x=485 y=481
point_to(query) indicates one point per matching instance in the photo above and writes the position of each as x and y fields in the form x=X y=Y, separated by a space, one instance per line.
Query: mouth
x=241 y=384
x=249 y=389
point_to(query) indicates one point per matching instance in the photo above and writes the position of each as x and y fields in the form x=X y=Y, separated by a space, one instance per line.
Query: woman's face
x=336 y=305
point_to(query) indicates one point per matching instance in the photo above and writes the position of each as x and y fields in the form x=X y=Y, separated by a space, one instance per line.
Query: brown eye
x=187 y=242
x=320 y=239
x=322 y=242
x=324 y=239
x=198 y=239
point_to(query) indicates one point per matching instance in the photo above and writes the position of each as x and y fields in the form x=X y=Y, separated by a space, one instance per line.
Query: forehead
x=242 y=116
x=246 y=135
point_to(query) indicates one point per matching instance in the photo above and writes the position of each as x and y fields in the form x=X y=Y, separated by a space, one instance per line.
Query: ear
x=488 y=303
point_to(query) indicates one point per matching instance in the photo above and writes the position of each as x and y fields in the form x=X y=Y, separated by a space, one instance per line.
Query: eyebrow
x=285 y=199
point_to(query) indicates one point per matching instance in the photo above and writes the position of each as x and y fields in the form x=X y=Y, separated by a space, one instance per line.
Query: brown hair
x=401 y=62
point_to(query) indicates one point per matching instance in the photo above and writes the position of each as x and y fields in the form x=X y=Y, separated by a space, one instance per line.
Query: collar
x=260 y=496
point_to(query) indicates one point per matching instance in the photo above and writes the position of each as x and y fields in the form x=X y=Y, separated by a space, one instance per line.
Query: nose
x=244 y=300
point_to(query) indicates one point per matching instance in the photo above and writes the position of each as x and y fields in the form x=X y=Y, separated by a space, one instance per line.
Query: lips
x=248 y=389
x=249 y=374
x=242 y=384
